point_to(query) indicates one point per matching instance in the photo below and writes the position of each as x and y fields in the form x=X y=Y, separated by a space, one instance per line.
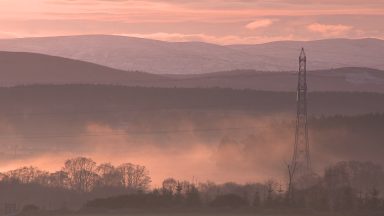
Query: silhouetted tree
x=169 y=186
x=28 y=175
x=59 y=179
x=81 y=173
x=346 y=181
x=109 y=176
x=270 y=188
x=134 y=177
x=209 y=190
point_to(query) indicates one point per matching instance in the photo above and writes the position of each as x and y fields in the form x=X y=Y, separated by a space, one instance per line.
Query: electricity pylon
x=301 y=162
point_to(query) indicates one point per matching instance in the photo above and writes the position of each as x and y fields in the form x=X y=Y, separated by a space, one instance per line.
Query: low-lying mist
x=219 y=146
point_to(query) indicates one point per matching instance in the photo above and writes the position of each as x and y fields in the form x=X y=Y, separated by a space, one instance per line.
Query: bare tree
x=109 y=176
x=81 y=173
x=134 y=177
x=270 y=189
x=169 y=186
x=59 y=179
x=28 y=175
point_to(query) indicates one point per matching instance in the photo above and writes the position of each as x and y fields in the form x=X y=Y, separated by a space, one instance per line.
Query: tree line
x=348 y=186
x=82 y=174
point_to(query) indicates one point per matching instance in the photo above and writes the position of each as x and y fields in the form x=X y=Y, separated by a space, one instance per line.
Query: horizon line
x=184 y=41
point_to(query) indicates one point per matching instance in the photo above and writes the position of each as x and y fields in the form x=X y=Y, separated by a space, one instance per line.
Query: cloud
x=260 y=23
x=221 y=22
x=223 y=39
x=8 y=35
x=329 y=30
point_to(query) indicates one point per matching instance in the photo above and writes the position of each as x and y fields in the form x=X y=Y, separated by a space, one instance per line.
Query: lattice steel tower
x=301 y=162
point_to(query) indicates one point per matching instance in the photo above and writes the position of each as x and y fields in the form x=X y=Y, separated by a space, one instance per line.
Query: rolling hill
x=29 y=68
x=128 y=53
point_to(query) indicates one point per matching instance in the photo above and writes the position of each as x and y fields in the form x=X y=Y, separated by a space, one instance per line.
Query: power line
x=103 y=112
x=130 y=133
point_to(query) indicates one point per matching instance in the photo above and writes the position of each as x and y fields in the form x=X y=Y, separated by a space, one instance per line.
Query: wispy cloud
x=224 y=40
x=260 y=23
x=204 y=20
x=329 y=30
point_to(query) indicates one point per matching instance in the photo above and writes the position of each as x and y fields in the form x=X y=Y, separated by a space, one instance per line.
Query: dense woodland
x=41 y=99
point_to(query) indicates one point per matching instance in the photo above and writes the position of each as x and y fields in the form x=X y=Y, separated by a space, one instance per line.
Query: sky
x=215 y=21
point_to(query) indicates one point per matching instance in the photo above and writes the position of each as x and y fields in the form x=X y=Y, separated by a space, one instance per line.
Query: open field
x=219 y=214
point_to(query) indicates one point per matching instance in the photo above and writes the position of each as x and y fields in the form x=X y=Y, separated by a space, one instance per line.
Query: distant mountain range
x=136 y=54
x=30 y=68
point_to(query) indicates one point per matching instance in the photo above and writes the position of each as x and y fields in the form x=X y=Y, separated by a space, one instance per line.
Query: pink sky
x=217 y=21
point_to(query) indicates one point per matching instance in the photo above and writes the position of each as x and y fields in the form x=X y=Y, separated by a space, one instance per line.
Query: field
x=231 y=214
x=220 y=213
x=205 y=214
